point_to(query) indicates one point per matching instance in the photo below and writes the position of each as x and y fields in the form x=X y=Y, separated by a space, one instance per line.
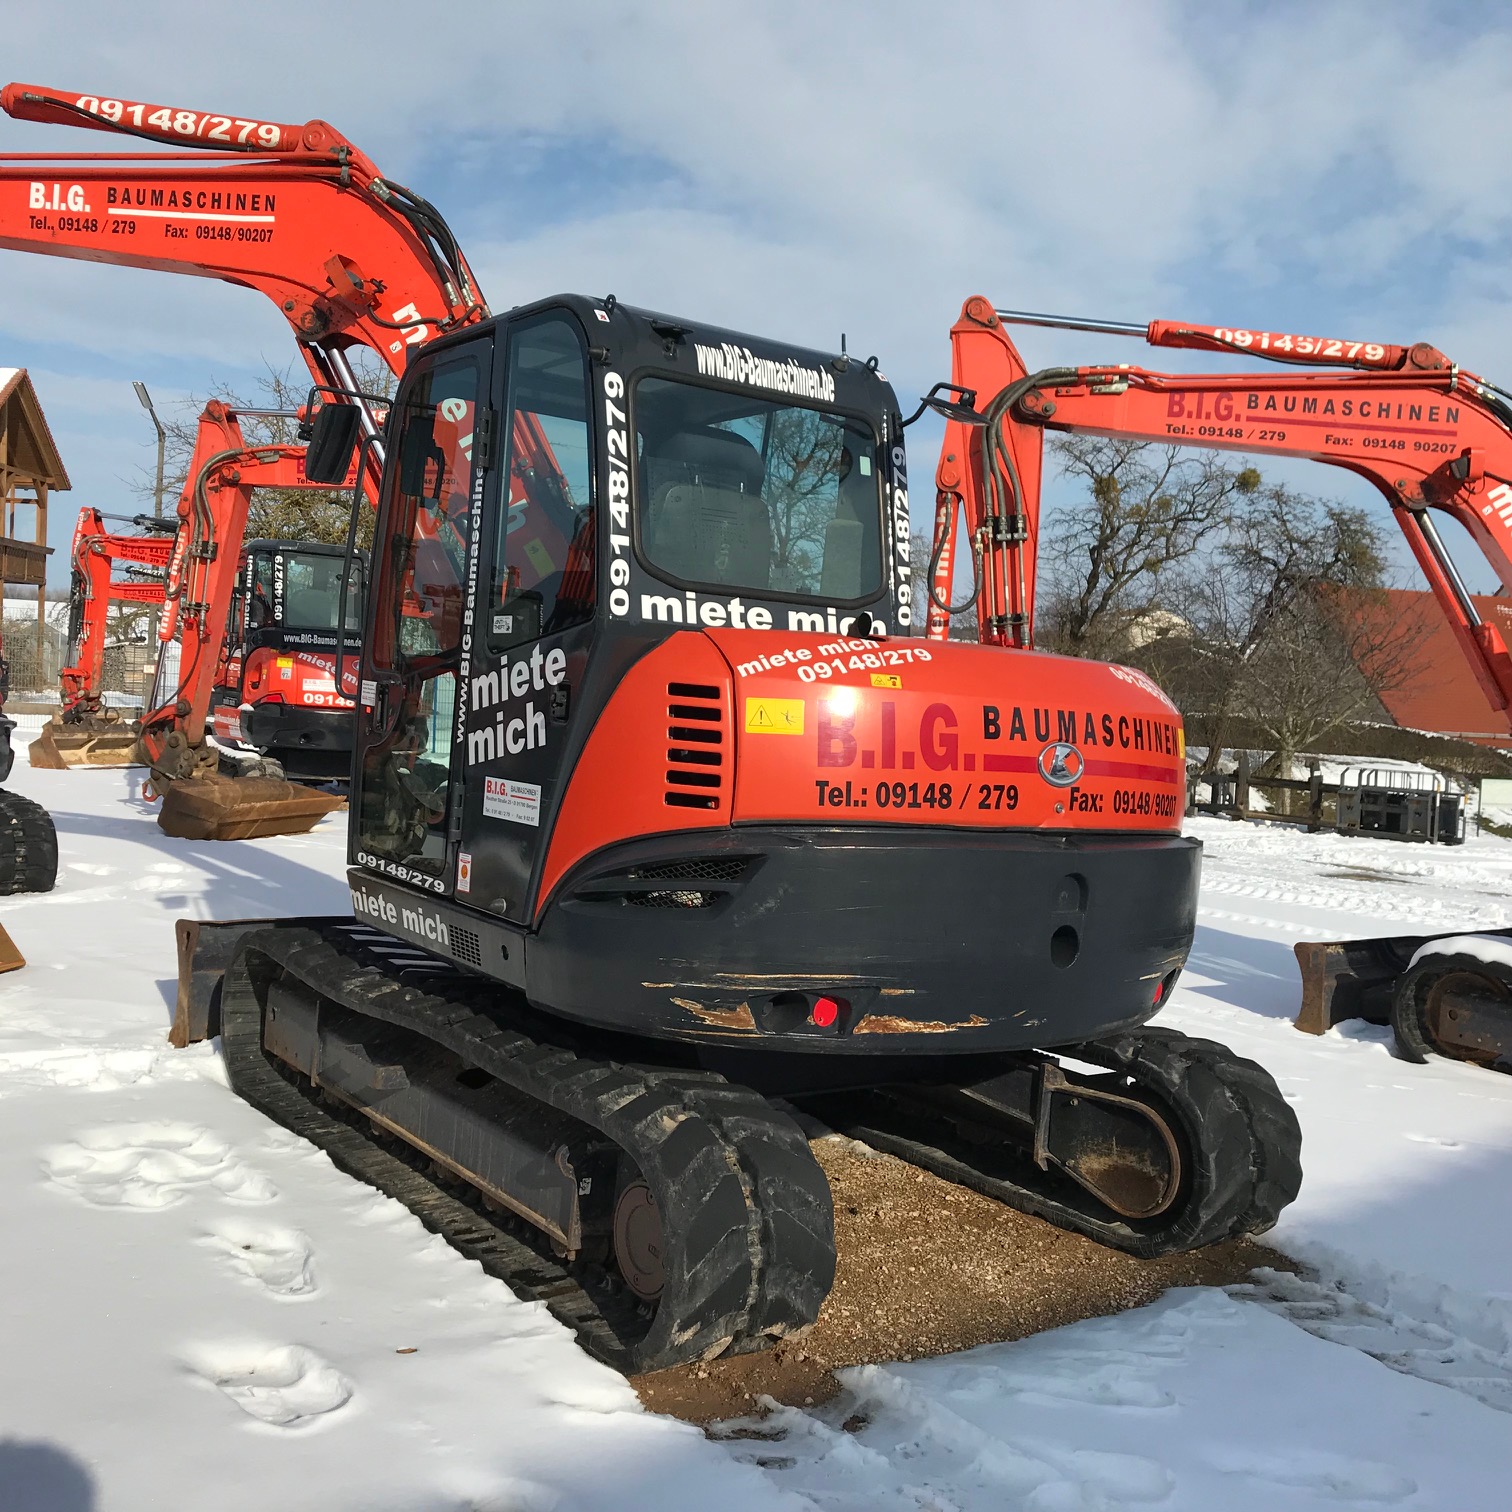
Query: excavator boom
x=297 y=212
x=1428 y=437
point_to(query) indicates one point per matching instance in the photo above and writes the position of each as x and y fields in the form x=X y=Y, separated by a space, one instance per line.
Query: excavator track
x=746 y=1245
x=1236 y=1150
x=28 y=846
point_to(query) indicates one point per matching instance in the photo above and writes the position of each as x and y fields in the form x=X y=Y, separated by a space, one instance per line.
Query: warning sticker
x=774 y=716
x=464 y=871
x=540 y=558
x=886 y=680
x=518 y=802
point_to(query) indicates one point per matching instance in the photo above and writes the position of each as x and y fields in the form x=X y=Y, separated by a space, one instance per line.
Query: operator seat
x=707 y=521
x=308 y=607
x=850 y=538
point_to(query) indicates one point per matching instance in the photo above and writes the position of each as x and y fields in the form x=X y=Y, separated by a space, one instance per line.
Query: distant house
x=30 y=469
x=1443 y=696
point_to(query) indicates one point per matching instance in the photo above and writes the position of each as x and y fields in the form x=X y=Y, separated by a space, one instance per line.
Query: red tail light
x=825 y=1011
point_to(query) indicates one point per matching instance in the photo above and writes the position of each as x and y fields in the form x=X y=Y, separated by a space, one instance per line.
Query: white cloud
x=850 y=166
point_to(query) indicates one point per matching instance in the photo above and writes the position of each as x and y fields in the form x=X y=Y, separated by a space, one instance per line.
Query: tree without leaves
x=1286 y=625
x=292 y=514
x=963 y=626
x=1106 y=559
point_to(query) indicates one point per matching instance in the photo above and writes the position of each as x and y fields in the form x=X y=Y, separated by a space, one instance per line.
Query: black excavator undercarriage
x=663 y=1212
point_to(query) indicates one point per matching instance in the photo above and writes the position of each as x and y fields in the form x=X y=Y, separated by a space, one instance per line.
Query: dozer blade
x=93 y=743
x=205 y=949
x=242 y=808
x=11 y=959
x=1345 y=979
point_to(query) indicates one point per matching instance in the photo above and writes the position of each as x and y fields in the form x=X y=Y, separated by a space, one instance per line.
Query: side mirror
x=333 y=437
x=961 y=408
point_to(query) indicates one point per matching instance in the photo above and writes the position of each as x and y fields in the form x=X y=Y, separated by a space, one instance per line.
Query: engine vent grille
x=466 y=946
x=695 y=747
x=711 y=869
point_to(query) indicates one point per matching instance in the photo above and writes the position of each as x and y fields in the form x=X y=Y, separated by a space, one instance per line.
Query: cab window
x=542 y=576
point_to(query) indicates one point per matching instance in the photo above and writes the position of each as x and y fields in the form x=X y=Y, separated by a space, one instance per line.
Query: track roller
x=28 y=846
x=1185 y=1145
x=664 y=1215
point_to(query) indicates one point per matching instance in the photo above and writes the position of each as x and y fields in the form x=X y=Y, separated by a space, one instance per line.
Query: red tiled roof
x=1443 y=696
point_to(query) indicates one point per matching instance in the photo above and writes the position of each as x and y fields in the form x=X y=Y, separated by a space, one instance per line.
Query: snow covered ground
x=196 y=1309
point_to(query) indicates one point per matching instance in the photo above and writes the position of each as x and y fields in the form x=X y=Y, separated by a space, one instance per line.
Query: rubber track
x=746 y=1211
x=28 y=846
x=1241 y=1138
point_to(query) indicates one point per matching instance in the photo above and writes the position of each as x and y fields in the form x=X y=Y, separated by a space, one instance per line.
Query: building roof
x=31 y=453
x=1443 y=696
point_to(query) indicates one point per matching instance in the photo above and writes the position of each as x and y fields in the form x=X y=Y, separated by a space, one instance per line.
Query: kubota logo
x=1061 y=764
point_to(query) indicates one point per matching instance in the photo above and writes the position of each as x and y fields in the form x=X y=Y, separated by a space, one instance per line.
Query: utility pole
x=162 y=435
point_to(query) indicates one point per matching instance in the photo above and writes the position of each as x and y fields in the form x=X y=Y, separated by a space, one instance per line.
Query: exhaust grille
x=679 y=899
x=695 y=745
x=691 y=882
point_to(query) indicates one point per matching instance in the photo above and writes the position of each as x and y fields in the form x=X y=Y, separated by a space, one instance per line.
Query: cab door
x=406 y=768
x=533 y=609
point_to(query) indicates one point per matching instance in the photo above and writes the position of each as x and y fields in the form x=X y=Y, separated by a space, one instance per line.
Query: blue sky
x=801 y=169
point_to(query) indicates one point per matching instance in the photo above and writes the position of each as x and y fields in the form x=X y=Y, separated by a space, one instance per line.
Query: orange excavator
x=662 y=813
x=87 y=732
x=1432 y=437
x=271 y=689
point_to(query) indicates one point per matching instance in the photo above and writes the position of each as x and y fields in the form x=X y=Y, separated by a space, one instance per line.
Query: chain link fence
x=37 y=660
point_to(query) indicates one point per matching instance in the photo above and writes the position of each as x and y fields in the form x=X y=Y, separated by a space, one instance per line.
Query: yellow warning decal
x=1180 y=743
x=774 y=716
x=540 y=558
x=886 y=680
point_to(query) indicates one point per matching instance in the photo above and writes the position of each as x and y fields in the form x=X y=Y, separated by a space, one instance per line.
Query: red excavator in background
x=660 y=811
x=86 y=732
x=271 y=689
x=1429 y=435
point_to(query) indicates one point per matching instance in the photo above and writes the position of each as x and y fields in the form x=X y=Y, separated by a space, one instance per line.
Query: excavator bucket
x=11 y=959
x=242 y=808
x=90 y=742
x=1346 y=979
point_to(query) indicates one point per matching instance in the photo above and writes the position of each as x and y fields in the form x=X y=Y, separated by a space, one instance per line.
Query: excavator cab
x=519 y=584
x=277 y=689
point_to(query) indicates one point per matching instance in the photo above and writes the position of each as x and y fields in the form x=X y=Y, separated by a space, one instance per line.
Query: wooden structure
x=30 y=469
